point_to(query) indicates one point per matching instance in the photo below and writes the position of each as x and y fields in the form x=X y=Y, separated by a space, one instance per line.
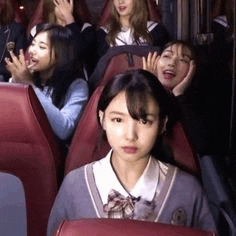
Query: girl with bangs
x=50 y=70
x=198 y=104
x=136 y=179
x=129 y=25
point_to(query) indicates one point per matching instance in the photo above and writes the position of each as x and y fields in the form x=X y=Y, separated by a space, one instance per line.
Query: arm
x=84 y=39
x=61 y=206
x=102 y=45
x=64 y=121
x=20 y=38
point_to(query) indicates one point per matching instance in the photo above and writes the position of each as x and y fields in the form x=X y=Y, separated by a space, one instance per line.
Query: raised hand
x=64 y=11
x=19 y=68
x=183 y=85
x=150 y=64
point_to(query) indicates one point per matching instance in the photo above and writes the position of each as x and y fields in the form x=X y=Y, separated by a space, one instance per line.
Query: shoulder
x=87 y=26
x=15 y=26
x=75 y=177
x=103 y=29
x=188 y=181
x=151 y=25
x=78 y=84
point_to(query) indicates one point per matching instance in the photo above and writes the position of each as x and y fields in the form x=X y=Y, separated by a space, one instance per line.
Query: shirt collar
x=106 y=179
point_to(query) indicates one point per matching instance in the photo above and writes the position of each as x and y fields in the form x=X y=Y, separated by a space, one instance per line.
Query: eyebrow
x=41 y=42
x=183 y=54
x=121 y=113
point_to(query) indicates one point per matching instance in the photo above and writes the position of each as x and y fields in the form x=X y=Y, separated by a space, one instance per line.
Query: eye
x=184 y=60
x=116 y=120
x=145 y=122
x=166 y=56
x=42 y=47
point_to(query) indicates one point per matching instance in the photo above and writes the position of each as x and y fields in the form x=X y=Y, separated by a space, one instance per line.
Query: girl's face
x=130 y=139
x=40 y=53
x=124 y=7
x=173 y=65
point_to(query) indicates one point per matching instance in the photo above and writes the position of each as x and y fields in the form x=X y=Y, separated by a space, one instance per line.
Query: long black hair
x=63 y=71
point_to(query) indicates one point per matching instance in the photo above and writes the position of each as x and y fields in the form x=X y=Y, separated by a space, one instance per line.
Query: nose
x=131 y=132
x=173 y=61
x=31 y=50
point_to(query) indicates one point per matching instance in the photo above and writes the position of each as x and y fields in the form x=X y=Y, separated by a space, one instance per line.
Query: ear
x=164 y=125
x=101 y=118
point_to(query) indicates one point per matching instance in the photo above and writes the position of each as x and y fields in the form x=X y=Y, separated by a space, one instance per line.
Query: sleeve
x=20 y=38
x=64 y=121
x=61 y=206
x=84 y=38
x=160 y=36
x=203 y=218
x=195 y=113
x=102 y=45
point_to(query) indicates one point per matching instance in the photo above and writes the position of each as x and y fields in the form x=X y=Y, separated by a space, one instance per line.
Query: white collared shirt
x=125 y=36
x=146 y=187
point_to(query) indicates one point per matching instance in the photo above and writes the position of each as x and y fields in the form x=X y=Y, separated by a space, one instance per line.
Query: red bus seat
x=84 y=146
x=29 y=150
x=117 y=227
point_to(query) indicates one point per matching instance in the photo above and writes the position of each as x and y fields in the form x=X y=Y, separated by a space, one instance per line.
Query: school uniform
x=163 y=193
x=158 y=33
x=63 y=121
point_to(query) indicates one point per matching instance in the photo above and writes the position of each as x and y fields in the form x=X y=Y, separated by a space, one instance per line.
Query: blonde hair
x=138 y=21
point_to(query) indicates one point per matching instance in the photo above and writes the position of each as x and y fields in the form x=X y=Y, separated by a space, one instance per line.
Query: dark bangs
x=137 y=97
x=139 y=86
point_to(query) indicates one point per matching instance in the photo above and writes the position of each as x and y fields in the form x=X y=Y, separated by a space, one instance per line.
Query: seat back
x=117 y=227
x=154 y=13
x=29 y=150
x=12 y=206
x=85 y=146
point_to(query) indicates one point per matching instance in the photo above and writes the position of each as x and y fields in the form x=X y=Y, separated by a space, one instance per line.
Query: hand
x=183 y=85
x=20 y=69
x=64 y=11
x=150 y=64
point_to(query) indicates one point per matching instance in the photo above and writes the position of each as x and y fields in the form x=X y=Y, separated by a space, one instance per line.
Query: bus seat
x=117 y=227
x=84 y=147
x=116 y=60
x=12 y=206
x=29 y=150
x=154 y=13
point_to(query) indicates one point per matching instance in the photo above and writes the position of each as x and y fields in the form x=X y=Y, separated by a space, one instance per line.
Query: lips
x=130 y=149
x=122 y=8
x=34 y=61
x=169 y=74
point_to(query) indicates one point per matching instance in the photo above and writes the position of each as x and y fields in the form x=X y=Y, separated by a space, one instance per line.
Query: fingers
x=55 y=2
x=144 y=63
x=22 y=57
x=191 y=69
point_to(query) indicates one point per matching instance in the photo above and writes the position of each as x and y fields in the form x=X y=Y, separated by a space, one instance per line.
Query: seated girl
x=50 y=71
x=134 y=180
x=177 y=69
x=74 y=15
x=129 y=25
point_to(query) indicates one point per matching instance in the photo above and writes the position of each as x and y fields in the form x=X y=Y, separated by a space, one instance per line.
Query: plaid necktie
x=119 y=206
